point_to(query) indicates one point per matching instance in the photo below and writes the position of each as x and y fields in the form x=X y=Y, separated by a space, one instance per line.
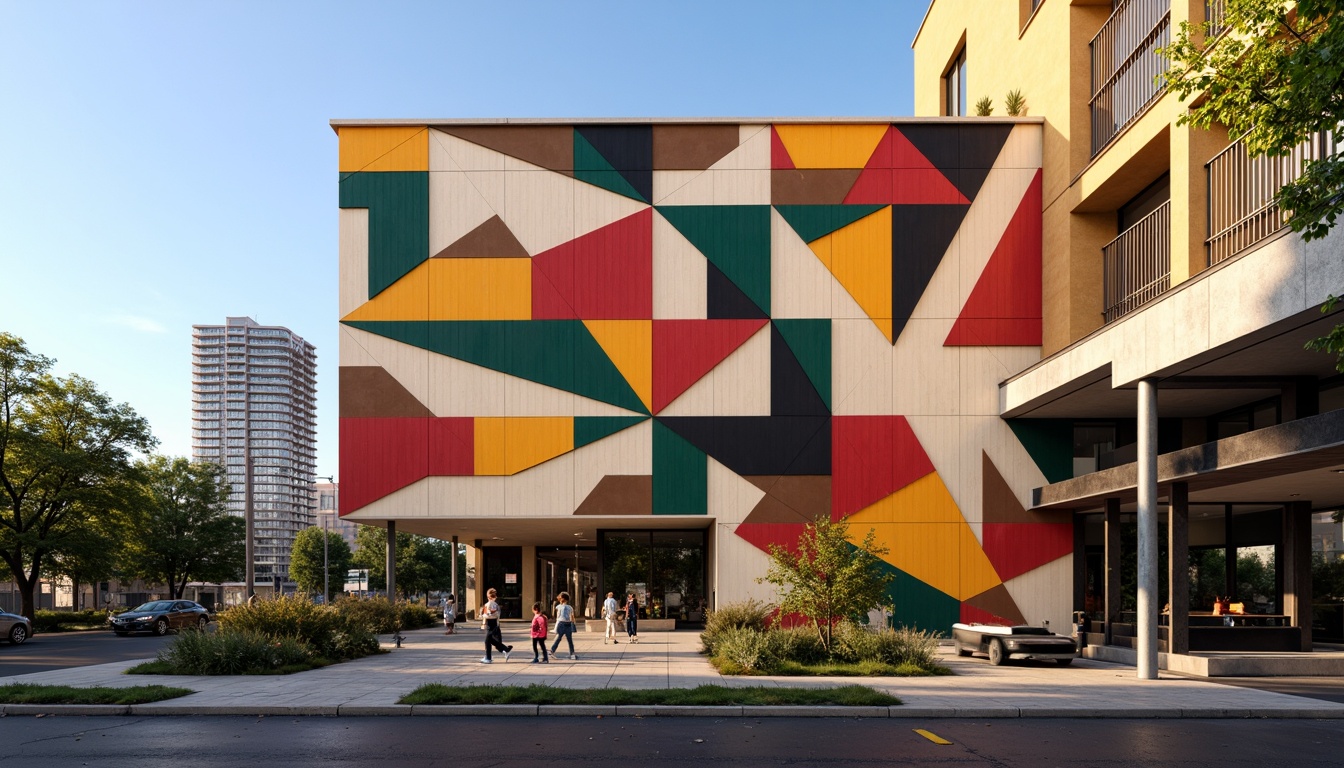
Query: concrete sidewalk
x=372 y=686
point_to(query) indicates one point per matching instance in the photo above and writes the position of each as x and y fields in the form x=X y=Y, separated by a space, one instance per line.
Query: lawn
x=705 y=695
x=23 y=693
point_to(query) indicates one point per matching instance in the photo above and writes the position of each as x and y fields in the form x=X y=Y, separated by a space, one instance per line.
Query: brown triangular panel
x=491 y=240
x=368 y=391
x=619 y=495
x=549 y=146
x=811 y=186
x=692 y=147
x=772 y=510
x=791 y=498
x=1000 y=505
x=1000 y=603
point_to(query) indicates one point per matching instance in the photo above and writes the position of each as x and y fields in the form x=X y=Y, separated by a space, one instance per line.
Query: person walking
x=539 y=635
x=609 y=610
x=564 y=624
x=493 y=638
x=632 y=617
x=449 y=615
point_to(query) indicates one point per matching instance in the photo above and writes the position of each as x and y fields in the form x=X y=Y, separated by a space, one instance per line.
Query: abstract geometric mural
x=647 y=319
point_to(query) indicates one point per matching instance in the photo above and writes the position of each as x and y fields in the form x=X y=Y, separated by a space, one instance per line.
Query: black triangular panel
x=629 y=149
x=760 y=445
x=980 y=147
x=920 y=235
x=725 y=301
x=937 y=144
x=791 y=391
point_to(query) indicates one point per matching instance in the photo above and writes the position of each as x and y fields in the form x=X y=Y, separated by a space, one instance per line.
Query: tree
x=1275 y=78
x=65 y=454
x=182 y=531
x=827 y=579
x=423 y=564
x=84 y=554
x=305 y=561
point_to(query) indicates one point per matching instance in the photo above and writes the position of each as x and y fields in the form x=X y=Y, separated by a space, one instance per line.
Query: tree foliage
x=423 y=564
x=65 y=458
x=182 y=530
x=305 y=561
x=827 y=579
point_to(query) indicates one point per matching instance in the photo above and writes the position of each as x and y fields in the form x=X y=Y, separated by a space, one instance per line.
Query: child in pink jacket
x=539 y=635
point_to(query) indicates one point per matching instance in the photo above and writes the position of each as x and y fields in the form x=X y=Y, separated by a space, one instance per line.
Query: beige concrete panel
x=595 y=207
x=541 y=491
x=529 y=579
x=944 y=441
x=740 y=386
x=981 y=370
x=1324 y=270
x=737 y=565
x=456 y=207
x=679 y=275
x=413 y=501
x=925 y=374
x=731 y=498
x=449 y=153
x=752 y=155
x=697 y=400
x=353 y=247
x=741 y=187
x=628 y=452
x=943 y=296
x=861 y=370
x=800 y=285
x=351 y=352
x=1046 y=594
x=1257 y=289
x=408 y=365
x=528 y=398
x=1023 y=148
x=746 y=133
x=986 y=222
x=1177 y=327
x=466 y=496
x=668 y=182
x=540 y=208
x=458 y=388
x=974 y=435
x=698 y=189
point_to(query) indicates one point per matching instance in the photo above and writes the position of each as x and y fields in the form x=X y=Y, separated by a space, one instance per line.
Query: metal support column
x=1148 y=598
x=1079 y=562
x=1178 y=569
x=249 y=528
x=454 y=579
x=391 y=559
x=1297 y=568
x=1112 y=557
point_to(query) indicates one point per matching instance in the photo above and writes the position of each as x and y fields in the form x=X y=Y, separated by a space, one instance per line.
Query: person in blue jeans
x=632 y=617
x=564 y=624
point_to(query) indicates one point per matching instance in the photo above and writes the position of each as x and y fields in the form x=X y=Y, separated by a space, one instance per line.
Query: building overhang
x=1301 y=460
x=547 y=531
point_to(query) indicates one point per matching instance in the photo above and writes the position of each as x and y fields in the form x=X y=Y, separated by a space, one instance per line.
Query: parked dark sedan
x=161 y=616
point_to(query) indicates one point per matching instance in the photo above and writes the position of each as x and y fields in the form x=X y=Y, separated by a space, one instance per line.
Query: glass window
x=954 y=86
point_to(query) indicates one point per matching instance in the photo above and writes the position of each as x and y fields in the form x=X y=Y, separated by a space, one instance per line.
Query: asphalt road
x=1323 y=688
x=621 y=742
x=59 y=650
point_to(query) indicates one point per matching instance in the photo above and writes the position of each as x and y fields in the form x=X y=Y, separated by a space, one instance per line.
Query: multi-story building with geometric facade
x=254 y=405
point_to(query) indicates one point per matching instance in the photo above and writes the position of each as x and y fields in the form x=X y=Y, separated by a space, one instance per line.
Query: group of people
x=564 y=625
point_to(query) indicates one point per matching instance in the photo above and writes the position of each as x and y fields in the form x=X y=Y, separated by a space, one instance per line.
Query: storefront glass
x=665 y=570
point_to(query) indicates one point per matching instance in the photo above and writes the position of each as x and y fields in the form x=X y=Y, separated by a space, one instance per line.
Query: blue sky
x=170 y=163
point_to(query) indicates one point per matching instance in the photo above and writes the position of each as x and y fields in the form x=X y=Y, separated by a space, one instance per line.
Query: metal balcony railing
x=1126 y=66
x=1137 y=264
x=1214 y=13
x=1242 y=211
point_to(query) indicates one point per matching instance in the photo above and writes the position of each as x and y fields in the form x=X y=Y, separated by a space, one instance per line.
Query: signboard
x=510 y=578
x=357 y=580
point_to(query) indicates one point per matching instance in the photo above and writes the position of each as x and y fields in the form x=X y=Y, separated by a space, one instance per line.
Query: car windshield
x=157 y=605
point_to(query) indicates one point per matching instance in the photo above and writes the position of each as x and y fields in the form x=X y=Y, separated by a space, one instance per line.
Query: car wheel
x=161 y=627
x=201 y=622
x=962 y=650
x=997 y=656
x=1064 y=662
x=18 y=634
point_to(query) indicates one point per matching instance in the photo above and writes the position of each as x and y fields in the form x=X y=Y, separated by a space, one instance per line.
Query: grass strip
x=833 y=669
x=27 y=693
x=702 y=696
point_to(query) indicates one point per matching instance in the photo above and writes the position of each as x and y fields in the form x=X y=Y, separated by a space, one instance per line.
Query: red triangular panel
x=972 y=615
x=685 y=350
x=762 y=535
x=1015 y=548
x=1004 y=308
x=379 y=456
x=779 y=155
x=452 y=445
x=872 y=457
x=898 y=174
x=606 y=274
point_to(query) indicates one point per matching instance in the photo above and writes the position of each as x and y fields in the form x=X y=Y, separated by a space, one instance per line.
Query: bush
x=55 y=621
x=416 y=616
x=797 y=651
x=381 y=616
x=747 y=614
x=744 y=649
x=908 y=646
x=326 y=630
x=233 y=653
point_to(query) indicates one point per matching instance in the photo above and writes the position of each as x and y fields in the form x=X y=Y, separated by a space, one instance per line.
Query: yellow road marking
x=935 y=738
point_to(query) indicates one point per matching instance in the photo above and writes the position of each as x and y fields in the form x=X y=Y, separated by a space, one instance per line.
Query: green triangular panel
x=736 y=238
x=590 y=429
x=810 y=341
x=592 y=167
x=557 y=353
x=920 y=606
x=814 y=221
x=398 y=203
x=1049 y=442
x=680 y=475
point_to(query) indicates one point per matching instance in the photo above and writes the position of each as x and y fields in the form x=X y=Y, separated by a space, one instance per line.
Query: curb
x=587 y=710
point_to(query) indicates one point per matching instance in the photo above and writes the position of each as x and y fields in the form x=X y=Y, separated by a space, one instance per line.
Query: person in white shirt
x=493 y=638
x=564 y=625
x=609 y=609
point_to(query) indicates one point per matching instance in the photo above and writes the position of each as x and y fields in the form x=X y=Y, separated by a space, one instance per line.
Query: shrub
x=416 y=616
x=745 y=649
x=326 y=630
x=908 y=646
x=233 y=653
x=748 y=614
x=54 y=621
x=799 y=644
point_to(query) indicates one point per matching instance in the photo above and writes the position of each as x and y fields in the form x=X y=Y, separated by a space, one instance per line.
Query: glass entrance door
x=504 y=572
x=665 y=570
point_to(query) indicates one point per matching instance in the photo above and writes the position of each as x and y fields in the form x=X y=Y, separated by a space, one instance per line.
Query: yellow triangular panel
x=830 y=146
x=507 y=445
x=859 y=256
x=456 y=289
x=383 y=148
x=629 y=345
x=928 y=538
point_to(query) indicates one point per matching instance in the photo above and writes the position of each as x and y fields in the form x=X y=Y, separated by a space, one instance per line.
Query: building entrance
x=665 y=570
x=572 y=570
x=504 y=572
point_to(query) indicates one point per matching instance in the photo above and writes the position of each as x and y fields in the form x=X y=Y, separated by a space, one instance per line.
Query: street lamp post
x=326 y=568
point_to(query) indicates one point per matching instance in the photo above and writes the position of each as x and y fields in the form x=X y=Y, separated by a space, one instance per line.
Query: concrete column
x=1296 y=557
x=1112 y=567
x=529 y=593
x=391 y=559
x=1178 y=569
x=1079 y=563
x=460 y=608
x=1230 y=550
x=1147 y=518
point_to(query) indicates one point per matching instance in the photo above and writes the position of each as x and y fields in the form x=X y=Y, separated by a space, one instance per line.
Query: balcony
x=1137 y=264
x=1126 y=66
x=1242 y=211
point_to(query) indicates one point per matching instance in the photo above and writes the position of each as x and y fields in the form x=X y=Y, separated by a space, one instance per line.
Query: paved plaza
x=671 y=660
